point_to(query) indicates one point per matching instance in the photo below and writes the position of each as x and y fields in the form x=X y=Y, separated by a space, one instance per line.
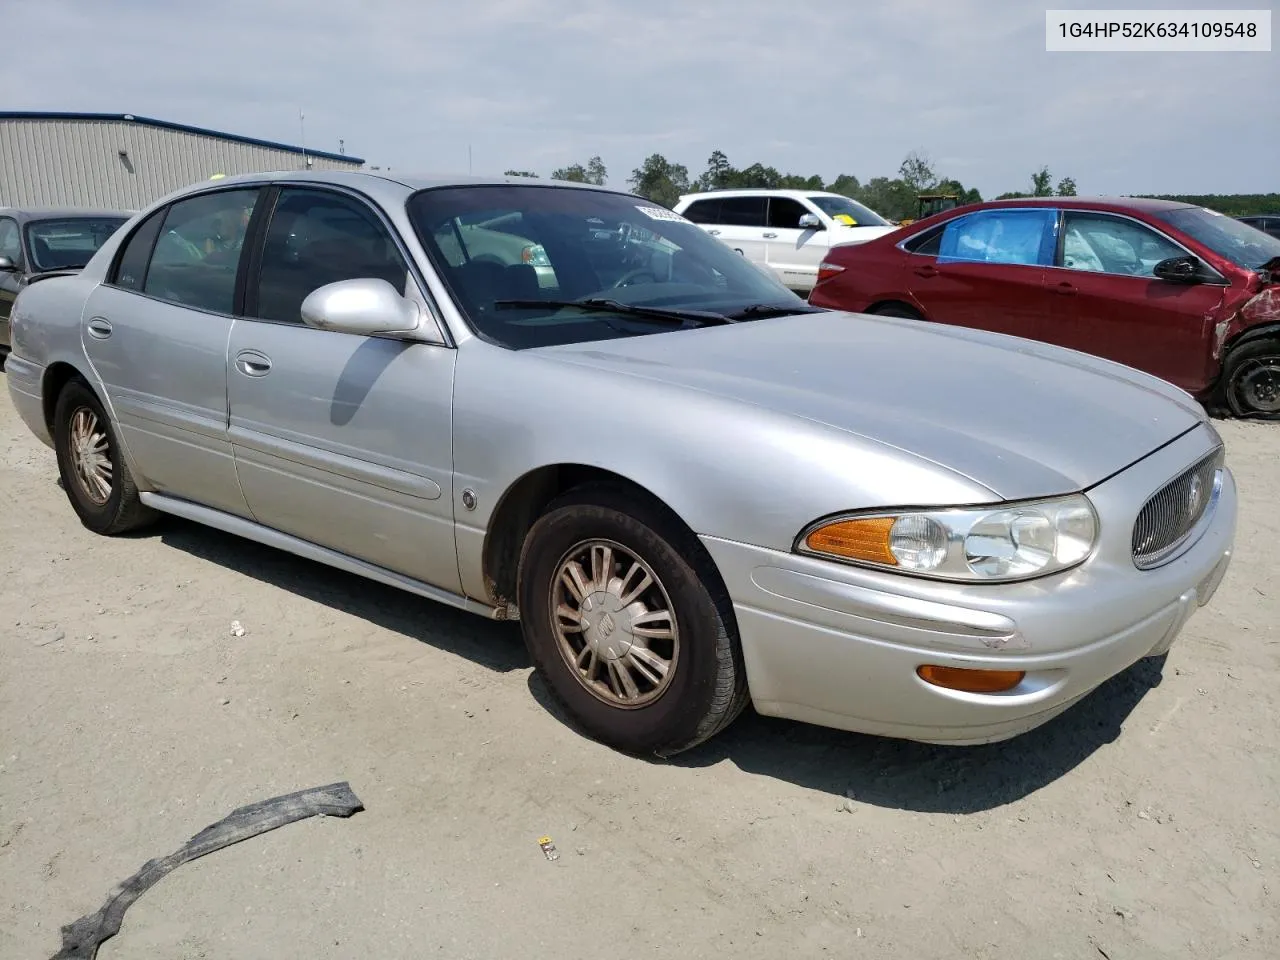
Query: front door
x=794 y=252
x=989 y=272
x=156 y=335
x=345 y=441
x=1108 y=302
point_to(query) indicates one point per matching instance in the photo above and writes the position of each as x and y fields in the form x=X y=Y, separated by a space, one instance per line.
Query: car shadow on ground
x=900 y=774
x=497 y=646
x=896 y=774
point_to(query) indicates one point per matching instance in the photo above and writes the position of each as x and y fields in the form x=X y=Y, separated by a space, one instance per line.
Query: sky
x=807 y=86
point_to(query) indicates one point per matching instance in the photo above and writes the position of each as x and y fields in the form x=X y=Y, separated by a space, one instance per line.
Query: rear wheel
x=94 y=475
x=895 y=310
x=627 y=621
x=1251 y=379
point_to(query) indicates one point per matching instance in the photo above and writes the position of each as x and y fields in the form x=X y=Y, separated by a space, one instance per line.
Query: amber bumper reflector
x=971 y=681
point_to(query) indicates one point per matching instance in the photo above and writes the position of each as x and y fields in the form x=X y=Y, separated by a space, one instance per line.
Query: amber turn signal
x=866 y=540
x=971 y=681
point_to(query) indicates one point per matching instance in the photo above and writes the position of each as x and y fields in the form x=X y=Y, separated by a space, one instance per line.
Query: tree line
x=895 y=198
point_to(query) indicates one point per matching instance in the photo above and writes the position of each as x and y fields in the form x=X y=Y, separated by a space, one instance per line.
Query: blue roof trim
x=181 y=127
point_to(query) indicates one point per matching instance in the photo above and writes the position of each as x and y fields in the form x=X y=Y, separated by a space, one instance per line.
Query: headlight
x=1003 y=542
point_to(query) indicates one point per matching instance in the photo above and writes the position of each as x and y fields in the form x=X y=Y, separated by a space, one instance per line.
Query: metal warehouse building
x=125 y=161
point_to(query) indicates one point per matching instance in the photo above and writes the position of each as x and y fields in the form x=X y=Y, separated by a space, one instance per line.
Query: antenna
x=468 y=159
x=302 y=126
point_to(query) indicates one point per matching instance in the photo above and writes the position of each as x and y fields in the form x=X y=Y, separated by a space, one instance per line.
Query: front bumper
x=839 y=646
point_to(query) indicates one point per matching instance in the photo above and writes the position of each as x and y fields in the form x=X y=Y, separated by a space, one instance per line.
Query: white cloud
x=805 y=86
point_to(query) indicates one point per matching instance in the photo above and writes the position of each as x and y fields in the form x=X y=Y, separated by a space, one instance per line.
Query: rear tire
x=896 y=310
x=583 y=574
x=1251 y=380
x=94 y=475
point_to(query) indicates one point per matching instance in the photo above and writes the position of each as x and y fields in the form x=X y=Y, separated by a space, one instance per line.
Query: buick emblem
x=607 y=626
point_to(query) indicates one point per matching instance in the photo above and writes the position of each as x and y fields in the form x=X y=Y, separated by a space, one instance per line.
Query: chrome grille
x=1169 y=517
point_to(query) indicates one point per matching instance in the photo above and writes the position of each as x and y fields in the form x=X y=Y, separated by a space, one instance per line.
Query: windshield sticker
x=844 y=218
x=659 y=213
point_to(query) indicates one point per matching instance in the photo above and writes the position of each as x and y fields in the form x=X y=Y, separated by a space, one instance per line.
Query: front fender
x=728 y=469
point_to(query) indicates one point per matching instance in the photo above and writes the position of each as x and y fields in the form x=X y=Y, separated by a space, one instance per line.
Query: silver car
x=693 y=490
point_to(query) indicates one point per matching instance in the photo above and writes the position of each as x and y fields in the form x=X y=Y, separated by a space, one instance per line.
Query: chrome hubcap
x=614 y=624
x=1257 y=384
x=91 y=455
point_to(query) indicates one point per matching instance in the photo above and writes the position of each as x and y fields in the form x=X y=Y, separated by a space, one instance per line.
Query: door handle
x=926 y=271
x=771 y=236
x=1066 y=288
x=253 y=364
x=99 y=328
x=714 y=233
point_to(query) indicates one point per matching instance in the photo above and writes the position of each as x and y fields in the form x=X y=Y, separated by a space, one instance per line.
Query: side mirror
x=810 y=221
x=7 y=265
x=365 y=307
x=1178 y=269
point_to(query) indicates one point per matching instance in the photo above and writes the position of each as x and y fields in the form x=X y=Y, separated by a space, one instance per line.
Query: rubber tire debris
x=81 y=940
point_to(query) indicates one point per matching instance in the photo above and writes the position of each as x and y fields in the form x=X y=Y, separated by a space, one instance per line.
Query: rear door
x=1107 y=301
x=156 y=334
x=794 y=253
x=10 y=280
x=738 y=221
x=342 y=440
x=988 y=271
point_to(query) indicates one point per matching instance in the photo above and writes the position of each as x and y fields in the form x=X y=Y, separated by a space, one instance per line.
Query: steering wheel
x=631 y=275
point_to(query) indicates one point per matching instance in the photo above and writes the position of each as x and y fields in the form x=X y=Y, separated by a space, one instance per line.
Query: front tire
x=1251 y=380
x=628 y=623
x=94 y=475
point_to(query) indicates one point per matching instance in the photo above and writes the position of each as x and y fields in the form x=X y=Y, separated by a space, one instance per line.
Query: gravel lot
x=1142 y=823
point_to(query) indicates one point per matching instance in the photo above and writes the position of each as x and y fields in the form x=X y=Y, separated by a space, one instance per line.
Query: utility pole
x=302 y=126
x=468 y=159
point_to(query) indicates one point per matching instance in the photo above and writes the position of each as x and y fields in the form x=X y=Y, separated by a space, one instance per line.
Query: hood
x=1024 y=419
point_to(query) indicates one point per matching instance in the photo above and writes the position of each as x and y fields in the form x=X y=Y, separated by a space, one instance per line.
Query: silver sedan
x=569 y=406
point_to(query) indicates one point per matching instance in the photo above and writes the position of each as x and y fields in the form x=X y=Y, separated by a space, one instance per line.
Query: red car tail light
x=828 y=270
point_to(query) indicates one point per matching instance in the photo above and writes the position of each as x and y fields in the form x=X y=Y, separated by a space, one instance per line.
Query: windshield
x=68 y=242
x=1243 y=245
x=503 y=249
x=849 y=211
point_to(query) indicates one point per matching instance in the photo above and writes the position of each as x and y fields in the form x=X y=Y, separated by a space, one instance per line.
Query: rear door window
x=1013 y=237
x=197 y=255
x=743 y=211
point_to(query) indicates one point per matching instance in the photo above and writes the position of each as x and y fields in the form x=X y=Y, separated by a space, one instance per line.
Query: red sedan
x=1173 y=289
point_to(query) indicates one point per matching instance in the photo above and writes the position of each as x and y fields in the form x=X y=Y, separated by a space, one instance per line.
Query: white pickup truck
x=787 y=231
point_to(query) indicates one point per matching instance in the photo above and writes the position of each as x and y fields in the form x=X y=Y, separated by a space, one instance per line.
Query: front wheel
x=96 y=478
x=628 y=623
x=1251 y=378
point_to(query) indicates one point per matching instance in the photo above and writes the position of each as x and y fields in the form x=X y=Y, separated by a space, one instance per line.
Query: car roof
x=760 y=192
x=1141 y=204
x=27 y=214
x=374 y=180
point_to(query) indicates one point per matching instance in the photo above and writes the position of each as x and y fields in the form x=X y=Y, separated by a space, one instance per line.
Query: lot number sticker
x=660 y=213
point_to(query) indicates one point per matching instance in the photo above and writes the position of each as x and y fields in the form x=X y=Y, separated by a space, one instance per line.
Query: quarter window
x=1015 y=236
x=131 y=268
x=1098 y=243
x=316 y=238
x=703 y=211
x=197 y=255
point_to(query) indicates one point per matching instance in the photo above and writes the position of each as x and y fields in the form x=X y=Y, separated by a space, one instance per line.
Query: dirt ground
x=1142 y=823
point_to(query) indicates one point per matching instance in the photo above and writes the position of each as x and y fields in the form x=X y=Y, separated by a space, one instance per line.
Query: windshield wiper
x=759 y=311
x=604 y=305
